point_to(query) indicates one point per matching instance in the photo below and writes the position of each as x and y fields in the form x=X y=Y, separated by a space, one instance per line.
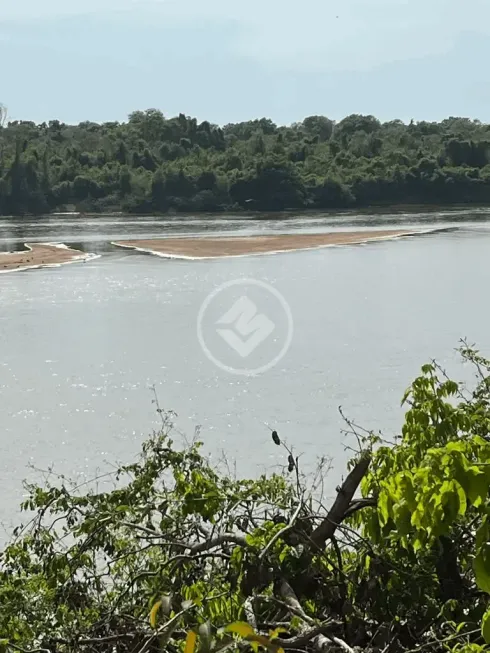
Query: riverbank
x=204 y=247
x=41 y=255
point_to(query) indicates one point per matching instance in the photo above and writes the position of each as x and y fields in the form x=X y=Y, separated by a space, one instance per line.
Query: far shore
x=40 y=255
x=217 y=247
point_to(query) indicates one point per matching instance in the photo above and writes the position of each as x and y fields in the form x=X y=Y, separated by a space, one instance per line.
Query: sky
x=232 y=60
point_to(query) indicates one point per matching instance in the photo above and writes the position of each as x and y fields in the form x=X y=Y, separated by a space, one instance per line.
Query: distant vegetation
x=151 y=164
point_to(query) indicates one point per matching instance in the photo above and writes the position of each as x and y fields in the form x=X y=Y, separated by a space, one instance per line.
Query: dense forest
x=151 y=164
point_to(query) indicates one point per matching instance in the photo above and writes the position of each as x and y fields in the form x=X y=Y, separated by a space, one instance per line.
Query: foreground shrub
x=179 y=555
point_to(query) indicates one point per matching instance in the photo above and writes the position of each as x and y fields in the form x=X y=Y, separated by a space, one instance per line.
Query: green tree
x=370 y=163
x=319 y=126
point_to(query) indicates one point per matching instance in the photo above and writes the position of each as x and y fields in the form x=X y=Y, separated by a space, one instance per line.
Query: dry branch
x=318 y=635
x=341 y=504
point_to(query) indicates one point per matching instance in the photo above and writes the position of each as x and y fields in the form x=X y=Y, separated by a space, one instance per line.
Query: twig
x=446 y=639
x=165 y=629
x=303 y=639
x=153 y=534
x=298 y=613
x=224 y=538
x=16 y=647
x=321 y=637
x=359 y=504
x=283 y=531
x=341 y=643
x=85 y=641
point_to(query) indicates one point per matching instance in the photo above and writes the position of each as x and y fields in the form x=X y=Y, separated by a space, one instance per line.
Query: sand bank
x=201 y=248
x=41 y=255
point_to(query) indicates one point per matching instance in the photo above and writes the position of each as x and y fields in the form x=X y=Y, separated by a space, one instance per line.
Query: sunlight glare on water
x=81 y=345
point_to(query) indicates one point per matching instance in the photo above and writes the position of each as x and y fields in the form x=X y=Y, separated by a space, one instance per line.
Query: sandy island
x=205 y=247
x=40 y=255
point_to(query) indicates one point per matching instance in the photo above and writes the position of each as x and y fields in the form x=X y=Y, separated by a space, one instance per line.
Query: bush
x=178 y=554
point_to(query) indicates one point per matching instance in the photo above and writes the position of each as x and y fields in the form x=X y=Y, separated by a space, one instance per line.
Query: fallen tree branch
x=338 y=511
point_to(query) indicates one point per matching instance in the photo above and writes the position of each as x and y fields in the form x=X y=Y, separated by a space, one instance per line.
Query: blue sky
x=231 y=60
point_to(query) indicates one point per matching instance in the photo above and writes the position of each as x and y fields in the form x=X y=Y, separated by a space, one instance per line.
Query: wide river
x=82 y=345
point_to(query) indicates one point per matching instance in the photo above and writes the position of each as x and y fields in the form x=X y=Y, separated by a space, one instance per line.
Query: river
x=82 y=345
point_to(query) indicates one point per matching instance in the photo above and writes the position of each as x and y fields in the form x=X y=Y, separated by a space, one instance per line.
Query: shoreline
x=192 y=248
x=236 y=211
x=41 y=255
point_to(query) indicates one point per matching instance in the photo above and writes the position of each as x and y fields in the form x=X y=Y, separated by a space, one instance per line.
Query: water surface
x=81 y=345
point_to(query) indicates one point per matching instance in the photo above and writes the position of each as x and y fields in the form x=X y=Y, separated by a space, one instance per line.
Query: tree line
x=152 y=164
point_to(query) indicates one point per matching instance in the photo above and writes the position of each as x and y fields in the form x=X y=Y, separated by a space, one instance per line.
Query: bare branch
x=291 y=600
x=250 y=613
x=337 y=513
x=224 y=538
x=319 y=633
x=303 y=639
x=359 y=504
x=198 y=547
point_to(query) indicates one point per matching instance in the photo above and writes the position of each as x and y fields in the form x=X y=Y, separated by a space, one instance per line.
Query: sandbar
x=40 y=255
x=216 y=247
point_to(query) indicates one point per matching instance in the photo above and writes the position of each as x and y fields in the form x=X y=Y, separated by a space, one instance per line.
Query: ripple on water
x=365 y=319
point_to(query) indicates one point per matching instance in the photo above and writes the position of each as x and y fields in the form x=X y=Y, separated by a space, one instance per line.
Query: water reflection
x=95 y=233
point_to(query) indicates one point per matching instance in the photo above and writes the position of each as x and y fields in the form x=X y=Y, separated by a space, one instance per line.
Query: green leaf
x=276 y=632
x=482 y=533
x=485 y=627
x=383 y=508
x=481 y=567
x=477 y=486
x=246 y=631
x=240 y=628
